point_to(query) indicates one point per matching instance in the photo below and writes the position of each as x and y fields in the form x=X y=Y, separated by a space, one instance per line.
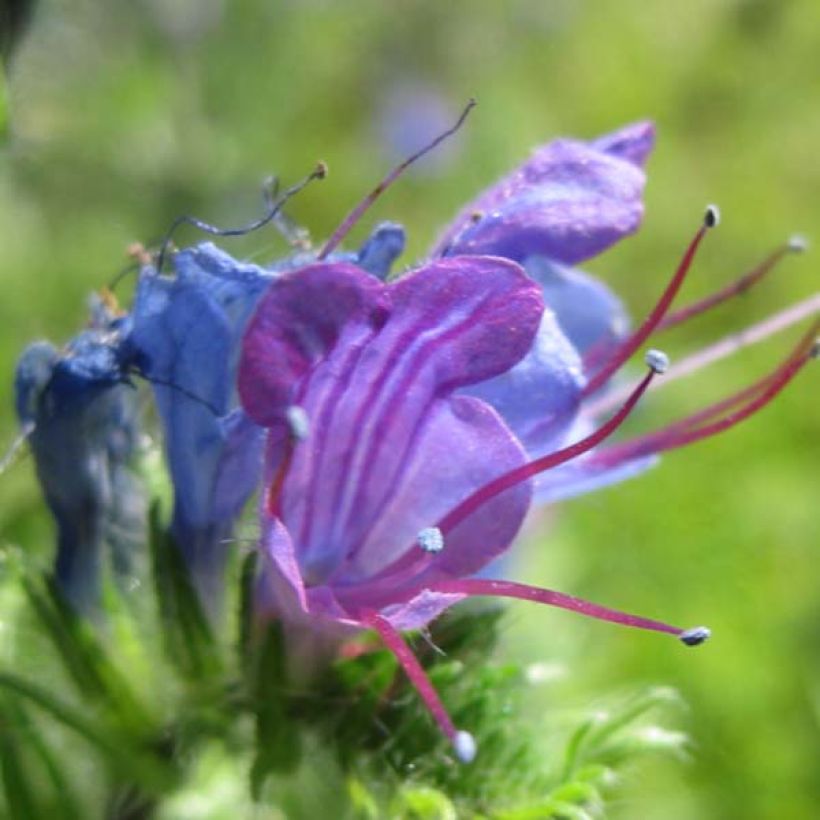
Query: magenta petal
x=462 y=446
x=296 y=324
x=568 y=202
x=420 y=610
x=389 y=450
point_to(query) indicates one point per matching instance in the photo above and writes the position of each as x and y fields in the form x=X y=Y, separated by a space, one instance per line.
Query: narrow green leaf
x=128 y=759
x=15 y=717
x=86 y=660
x=277 y=738
x=189 y=640
x=20 y=790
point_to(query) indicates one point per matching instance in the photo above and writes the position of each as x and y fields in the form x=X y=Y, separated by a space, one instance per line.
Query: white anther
x=465 y=747
x=712 y=216
x=657 y=360
x=696 y=636
x=797 y=243
x=298 y=422
x=430 y=540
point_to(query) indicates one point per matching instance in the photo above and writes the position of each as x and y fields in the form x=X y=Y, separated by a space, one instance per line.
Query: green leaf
x=86 y=661
x=277 y=738
x=189 y=640
x=16 y=724
x=128 y=760
x=4 y=105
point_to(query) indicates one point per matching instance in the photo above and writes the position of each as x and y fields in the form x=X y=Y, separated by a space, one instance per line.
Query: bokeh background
x=121 y=115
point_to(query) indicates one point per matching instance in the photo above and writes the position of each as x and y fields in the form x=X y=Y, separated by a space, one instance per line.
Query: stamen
x=696 y=636
x=463 y=742
x=273 y=208
x=631 y=344
x=540 y=465
x=525 y=592
x=657 y=361
x=430 y=540
x=353 y=217
x=686 y=430
x=795 y=244
x=720 y=350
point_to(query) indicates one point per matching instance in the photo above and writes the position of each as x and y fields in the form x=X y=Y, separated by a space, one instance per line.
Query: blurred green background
x=123 y=114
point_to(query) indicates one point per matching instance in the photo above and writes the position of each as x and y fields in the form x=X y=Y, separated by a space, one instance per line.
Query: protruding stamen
x=430 y=540
x=795 y=244
x=540 y=465
x=657 y=361
x=720 y=350
x=798 y=243
x=353 y=217
x=625 y=350
x=695 y=636
x=463 y=742
x=689 y=430
x=525 y=592
x=298 y=422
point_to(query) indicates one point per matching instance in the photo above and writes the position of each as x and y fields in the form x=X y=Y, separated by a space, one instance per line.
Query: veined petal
x=373 y=367
x=568 y=202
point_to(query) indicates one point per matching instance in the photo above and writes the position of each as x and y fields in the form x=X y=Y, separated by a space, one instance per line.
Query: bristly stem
x=353 y=217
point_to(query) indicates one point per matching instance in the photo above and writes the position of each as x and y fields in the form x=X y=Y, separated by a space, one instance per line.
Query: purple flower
x=80 y=416
x=185 y=338
x=407 y=421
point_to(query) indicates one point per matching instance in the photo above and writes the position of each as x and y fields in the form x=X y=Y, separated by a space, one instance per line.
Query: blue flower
x=81 y=418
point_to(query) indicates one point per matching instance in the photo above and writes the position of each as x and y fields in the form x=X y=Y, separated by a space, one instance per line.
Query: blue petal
x=588 y=312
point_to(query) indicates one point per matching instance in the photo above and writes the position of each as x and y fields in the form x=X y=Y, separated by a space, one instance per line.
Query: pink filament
x=633 y=342
x=418 y=677
x=510 y=589
x=687 y=431
x=353 y=217
x=736 y=288
x=540 y=465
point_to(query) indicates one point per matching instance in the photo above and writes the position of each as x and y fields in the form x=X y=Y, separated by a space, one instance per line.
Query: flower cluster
x=400 y=428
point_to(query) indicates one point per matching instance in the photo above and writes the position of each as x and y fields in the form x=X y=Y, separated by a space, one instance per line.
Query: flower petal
x=569 y=201
x=538 y=398
x=590 y=315
x=633 y=142
x=373 y=367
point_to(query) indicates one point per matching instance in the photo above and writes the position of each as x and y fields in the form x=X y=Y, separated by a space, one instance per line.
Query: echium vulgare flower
x=185 y=338
x=79 y=415
x=407 y=420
